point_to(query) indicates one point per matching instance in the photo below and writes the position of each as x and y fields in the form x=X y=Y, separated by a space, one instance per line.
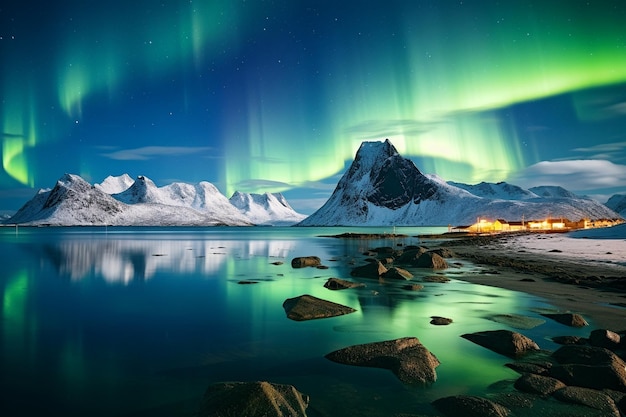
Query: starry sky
x=277 y=95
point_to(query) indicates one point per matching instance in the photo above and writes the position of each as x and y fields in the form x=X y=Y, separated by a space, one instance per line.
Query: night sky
x=277 y=95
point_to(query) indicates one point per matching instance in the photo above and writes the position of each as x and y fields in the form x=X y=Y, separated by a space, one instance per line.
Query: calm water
x=139 y=321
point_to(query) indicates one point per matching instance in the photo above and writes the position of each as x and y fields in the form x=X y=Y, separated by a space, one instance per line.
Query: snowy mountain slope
x=72 y=201
x=617 y=203
x=382 y=188
x=203 y=197
x=501 y=190
x=115 y=185
x=266 y=209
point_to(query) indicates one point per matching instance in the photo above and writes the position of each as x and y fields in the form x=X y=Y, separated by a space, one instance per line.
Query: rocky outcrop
x=469 y=406
x=307 y=307
x=505 y=342
x=341 y=284
x=407 y=358
x=253 y=399
x=605 y=338
x=371 y=270
x=430 y=260
x=397 y=273
x=304 y=261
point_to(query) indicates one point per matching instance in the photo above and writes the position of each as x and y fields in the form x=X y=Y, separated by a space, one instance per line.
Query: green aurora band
x=431 y=82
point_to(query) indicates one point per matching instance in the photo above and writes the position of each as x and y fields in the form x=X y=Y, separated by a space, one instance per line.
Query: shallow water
x=139 y=321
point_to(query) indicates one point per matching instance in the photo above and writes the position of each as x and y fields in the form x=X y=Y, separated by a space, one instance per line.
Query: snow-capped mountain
x=266 y=209
x=115 y=185
x=72 y=201
x=383 y=188
x=554 y=191
x=617 y=203
x=500 y=190
x=118 y=201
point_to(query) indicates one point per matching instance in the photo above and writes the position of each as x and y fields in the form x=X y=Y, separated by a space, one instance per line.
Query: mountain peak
x=382 y=188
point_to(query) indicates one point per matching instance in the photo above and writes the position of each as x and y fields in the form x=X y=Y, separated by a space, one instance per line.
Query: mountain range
x=124 y=201
x=382 y=188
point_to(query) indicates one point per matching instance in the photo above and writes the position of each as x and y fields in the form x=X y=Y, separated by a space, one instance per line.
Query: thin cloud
x=151 y=152
x=574 y=175
x=260 y=184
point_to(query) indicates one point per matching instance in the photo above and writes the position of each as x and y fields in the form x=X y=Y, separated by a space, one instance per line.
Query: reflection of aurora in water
x=154 y=344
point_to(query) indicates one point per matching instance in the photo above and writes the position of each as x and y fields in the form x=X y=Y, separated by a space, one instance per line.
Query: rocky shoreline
x=584 y=377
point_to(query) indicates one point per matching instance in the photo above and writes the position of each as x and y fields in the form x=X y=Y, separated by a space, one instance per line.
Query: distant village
x=555 y=224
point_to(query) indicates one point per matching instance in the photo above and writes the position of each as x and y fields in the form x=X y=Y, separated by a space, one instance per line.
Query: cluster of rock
x=584 y=378
x=381 y=262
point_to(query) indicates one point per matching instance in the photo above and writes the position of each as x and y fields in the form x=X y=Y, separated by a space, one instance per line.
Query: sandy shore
x=591 y=286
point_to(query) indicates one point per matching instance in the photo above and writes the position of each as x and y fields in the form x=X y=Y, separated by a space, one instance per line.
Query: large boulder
x=373 y=269
x=589 y=367
x=307 y=307
x=605 y=338
x=304 y=261
x=590 y=398
x=469 y=406
x=584 y=355
x=505 y=342
x=606 y=376
x=253 y=399
x=410 y=256
x=407 y=358
x=430 y=260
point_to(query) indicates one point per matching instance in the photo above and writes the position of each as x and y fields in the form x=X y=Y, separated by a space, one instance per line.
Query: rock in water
x=469 y=406
x=397 y=273
x=304 y=261
x=568 y=319
x=341 y=284
x=371 y=270
x=505 y=342
x=253 y=399
x=430 y=260
x=307 y=307
x=407 y=358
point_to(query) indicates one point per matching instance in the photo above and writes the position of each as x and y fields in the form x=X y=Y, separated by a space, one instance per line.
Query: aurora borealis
x=277 y=95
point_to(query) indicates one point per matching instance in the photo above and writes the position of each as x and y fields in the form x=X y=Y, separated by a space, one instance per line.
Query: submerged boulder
x=307 y=307
x=253 y=399
x=568 y=319
x=469 y=406
x=407 y=358
x=589 y=367
x=341 y=284
x=505 y=342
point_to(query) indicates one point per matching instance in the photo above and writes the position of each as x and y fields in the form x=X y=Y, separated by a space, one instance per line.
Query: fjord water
x=139 y=321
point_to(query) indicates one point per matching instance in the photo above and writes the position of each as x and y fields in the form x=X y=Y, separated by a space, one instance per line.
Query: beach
x=576 y=274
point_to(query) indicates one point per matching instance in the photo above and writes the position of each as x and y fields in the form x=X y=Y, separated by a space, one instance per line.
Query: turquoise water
x=139 y=321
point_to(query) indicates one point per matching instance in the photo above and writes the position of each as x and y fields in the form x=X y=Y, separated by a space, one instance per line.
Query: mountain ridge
x=75 y=202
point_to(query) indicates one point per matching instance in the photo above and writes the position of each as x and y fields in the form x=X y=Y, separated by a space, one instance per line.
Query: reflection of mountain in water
x=122 y=261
